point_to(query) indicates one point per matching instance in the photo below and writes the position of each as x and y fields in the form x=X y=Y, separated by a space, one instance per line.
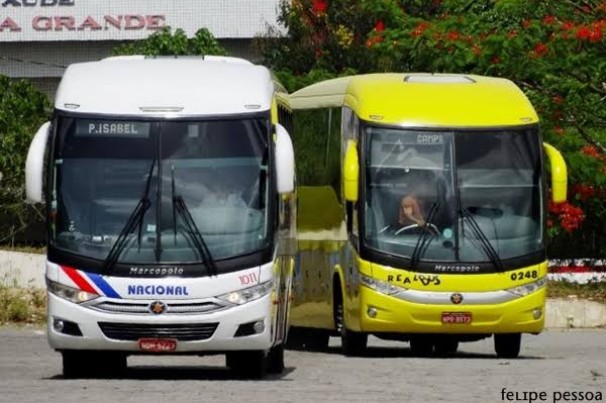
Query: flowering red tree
x=555 y=51
x=569 y=217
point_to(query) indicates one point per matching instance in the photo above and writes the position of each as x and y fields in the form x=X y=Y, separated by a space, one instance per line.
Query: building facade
x=40 y=38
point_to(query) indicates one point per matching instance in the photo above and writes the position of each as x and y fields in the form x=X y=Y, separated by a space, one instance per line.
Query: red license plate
x=158 y=345
x=456 y=317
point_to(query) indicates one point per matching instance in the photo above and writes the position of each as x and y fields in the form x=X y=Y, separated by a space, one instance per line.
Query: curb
x=574 y=313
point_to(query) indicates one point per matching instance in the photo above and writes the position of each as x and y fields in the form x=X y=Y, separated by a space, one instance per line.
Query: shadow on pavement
x=405 y=352
x=183 y=373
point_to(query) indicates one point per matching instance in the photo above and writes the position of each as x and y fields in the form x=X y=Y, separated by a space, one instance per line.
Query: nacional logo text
x=157 y=290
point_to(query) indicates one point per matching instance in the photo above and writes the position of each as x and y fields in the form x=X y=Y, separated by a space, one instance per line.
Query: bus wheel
x=92 y=364
x=507 y=345
x=248 y=364
x=446 y=346
x=352 y=343
x=276 y=359
x=421 y=346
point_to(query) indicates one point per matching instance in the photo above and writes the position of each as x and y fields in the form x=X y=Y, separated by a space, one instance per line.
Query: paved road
x=552 y=362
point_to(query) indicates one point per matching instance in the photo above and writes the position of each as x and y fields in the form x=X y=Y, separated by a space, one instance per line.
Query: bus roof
x=423 y=100
x=140 y=86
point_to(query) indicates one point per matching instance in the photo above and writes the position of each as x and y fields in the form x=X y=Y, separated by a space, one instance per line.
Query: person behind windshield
x=410 y=213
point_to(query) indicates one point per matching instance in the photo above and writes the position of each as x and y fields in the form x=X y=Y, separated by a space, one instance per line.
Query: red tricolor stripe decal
x=78 y=279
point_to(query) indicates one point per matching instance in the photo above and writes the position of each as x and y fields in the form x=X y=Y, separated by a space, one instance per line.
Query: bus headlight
x=380 y=286
x=248 y=294
x=529 y=288
x=68 y=293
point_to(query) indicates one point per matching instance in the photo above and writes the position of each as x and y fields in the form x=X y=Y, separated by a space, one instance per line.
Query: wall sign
x=85 y=20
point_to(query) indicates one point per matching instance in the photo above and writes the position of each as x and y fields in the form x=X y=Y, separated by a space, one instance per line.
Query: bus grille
x=136 y=331
x=190 y=308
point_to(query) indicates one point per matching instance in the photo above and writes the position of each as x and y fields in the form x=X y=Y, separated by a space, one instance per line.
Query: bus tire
x=276 y=359
x=352 y=343
x=248 y=364
x=422 y=346
x=446 y=346
x=507 y=345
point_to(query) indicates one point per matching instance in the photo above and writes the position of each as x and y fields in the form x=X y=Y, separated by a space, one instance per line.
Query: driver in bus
x=409 y=212
x=409 y=217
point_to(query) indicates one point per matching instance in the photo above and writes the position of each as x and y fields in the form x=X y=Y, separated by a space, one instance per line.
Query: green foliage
x=555 y=51
x=317 y=147
x=168 y=43
x=593 y=290
x=23 y=109
x=21 y=305
x=293 y=82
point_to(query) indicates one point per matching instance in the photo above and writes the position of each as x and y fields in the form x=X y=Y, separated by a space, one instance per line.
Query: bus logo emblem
x=456 y=298
x=157 y=307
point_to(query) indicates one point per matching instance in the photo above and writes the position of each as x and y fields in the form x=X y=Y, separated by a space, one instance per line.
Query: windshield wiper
x=423 y=241
x=135 y=219
x=181 y=208
x=486 y=245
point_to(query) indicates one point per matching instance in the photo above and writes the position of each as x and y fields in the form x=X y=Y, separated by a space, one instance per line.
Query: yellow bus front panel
x=522 y=315
x=509 y=302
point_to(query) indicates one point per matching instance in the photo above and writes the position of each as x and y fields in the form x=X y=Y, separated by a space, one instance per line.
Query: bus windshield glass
x=453 y=197
x=112 y=174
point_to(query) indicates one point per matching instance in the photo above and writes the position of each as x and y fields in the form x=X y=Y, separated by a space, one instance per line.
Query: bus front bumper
x=211 y=332
x=384 y=313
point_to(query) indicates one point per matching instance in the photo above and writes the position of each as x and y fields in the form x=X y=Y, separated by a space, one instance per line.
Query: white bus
x=169 y=185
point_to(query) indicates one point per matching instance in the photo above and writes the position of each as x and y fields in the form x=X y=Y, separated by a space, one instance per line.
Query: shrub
x=23 y=109
x=168 y=43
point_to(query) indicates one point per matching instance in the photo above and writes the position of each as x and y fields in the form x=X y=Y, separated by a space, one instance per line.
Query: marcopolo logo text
x=156 y=271
x=456 y=268
x=157 y=290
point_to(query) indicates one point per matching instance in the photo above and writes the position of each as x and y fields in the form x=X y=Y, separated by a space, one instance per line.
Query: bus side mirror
x=559 y=177
x=34 y=165
x=285 y=161
x=351 y=172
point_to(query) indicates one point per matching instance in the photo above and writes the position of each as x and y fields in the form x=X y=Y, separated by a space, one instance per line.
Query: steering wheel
x=430 y=226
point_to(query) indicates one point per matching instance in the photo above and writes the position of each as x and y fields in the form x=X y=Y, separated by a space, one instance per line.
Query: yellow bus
x=443 y=196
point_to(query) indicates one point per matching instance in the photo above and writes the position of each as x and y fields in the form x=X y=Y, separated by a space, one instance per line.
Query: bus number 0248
x=521 y=275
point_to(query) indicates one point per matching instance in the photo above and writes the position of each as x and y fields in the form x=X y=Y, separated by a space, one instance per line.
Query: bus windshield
x=453 y=197
x=110 y=173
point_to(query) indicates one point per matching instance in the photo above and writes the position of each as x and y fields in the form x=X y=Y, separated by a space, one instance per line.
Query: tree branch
x=576 y=5
x=12 y=233
x=588 y=138
x=586 y=80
